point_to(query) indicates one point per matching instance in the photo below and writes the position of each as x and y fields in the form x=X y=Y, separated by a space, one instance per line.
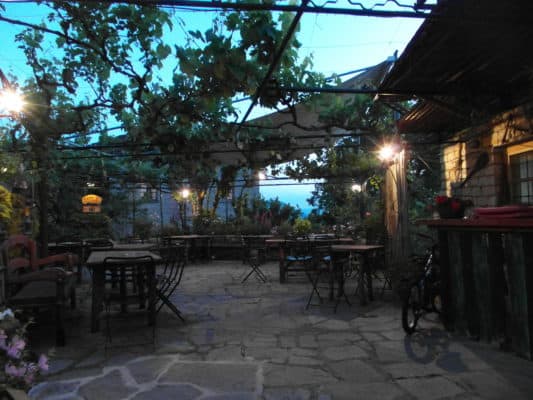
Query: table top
x=96 y=258
x=185 y=237
x=358 y=248
x=134 y=246
x=311 y=240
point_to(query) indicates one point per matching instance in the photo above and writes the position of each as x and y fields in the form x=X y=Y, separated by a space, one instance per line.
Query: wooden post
x=396 y=215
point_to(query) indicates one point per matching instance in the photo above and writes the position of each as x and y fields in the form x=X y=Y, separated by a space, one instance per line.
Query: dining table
x=341 y=252
x=193 y=243
x=119 y=259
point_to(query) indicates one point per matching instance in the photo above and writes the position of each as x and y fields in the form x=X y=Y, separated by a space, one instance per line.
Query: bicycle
x=424 y=292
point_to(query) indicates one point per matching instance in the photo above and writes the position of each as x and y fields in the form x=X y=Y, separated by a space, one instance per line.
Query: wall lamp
x=389 y=152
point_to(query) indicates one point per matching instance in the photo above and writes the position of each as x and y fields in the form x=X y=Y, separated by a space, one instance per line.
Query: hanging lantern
x=91 y=203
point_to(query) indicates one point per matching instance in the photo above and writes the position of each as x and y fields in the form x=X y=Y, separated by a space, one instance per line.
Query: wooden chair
x=34 y=282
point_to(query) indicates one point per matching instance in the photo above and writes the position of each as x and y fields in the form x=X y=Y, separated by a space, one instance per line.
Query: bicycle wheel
x=412 y=309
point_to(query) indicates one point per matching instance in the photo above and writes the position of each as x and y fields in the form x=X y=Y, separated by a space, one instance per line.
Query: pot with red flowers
x=450 y=207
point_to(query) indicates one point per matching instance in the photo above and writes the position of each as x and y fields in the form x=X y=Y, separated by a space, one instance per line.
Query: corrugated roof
x=473 y=59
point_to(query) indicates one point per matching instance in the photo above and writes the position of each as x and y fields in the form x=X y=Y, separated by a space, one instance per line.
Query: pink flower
x=16 y=347
x=14 y=371
x=43 y=362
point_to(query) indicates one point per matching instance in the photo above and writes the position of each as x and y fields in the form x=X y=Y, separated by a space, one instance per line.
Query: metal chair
x=254 y=254
x=298 y=256
x=125 y=297
x=169 y=277
x=323 y=274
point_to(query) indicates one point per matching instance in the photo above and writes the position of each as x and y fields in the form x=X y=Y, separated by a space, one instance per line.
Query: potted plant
x=301 y=227
x=20 y=367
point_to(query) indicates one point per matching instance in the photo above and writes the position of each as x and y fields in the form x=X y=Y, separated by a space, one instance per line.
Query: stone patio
x=257 y=341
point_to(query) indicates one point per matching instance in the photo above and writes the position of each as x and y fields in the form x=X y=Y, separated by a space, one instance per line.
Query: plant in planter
x=21 y=367
x=301 y=227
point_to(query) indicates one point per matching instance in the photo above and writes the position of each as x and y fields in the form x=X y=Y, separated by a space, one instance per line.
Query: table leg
x=150 y=277
x=123 y=290
x=368 y=272
x=362 y=289
x=97 y=298
x=281 y=265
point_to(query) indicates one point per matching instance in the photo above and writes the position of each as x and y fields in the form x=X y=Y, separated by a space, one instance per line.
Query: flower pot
x=447 y=211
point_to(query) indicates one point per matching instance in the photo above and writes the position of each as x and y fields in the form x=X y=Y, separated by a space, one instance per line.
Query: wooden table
x=191 y=243
x=96 y=262
x=365 y=268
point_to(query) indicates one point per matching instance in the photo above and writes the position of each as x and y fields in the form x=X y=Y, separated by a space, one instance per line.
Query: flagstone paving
x=257 y=341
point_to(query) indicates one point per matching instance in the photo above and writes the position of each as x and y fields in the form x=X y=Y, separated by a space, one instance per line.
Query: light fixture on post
x=389 y=152
x=395 y=198
x=184 y=194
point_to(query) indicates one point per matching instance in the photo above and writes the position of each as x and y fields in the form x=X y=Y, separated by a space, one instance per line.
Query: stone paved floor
x=257 y=341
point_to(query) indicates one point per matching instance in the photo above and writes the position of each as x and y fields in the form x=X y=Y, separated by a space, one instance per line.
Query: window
x=521 y=174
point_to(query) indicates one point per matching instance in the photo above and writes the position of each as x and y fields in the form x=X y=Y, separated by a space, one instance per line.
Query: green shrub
x=302 y=226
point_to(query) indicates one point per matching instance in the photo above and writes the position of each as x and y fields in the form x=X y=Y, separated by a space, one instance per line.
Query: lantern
x=91 y=203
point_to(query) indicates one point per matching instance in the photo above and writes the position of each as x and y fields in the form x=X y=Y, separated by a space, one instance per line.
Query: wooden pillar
x=396 y=214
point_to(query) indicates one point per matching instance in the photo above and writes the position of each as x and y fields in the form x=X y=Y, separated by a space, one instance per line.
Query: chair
x=169 y=278
x=124 y=297
x=297 y=256
x=33 y=282
x=254 y=254
x=324 y=275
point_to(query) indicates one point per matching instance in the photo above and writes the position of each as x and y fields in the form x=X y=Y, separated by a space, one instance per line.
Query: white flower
x=6 y=313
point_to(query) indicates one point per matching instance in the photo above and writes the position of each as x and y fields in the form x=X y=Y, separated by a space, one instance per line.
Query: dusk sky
x=338 y=44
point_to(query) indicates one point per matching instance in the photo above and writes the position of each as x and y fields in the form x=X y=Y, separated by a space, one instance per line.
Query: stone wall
x=487 y=186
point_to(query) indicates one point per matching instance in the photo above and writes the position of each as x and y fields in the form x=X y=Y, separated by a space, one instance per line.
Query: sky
x=337 y=43
x=340 y=44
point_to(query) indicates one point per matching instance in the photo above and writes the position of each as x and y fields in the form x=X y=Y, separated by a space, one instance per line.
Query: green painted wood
x=483 y=278
x=518 y=255
x=457 y=289
x=471 y=305
x=498 y=284
x=447 y=315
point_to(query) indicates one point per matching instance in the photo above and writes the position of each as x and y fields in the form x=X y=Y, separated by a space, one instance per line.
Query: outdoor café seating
x=254 y=252
x=33 y=283
x=168 y=278
x=141 y=294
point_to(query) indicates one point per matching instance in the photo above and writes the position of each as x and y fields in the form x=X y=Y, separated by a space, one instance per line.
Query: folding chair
x=169 y=278
x=322 y=273
x=254 y=251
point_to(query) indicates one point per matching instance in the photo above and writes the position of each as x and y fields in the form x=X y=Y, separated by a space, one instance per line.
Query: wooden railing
x=487 y=279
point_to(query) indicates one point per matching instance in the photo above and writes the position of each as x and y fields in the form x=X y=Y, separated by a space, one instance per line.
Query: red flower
x=440 y=200
x=456 y=205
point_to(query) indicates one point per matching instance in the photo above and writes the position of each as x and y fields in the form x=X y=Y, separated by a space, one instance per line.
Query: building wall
x=489 y=185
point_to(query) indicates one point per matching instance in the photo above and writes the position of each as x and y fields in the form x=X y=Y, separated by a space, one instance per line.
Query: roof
x=468 y=61
x=289 y=140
